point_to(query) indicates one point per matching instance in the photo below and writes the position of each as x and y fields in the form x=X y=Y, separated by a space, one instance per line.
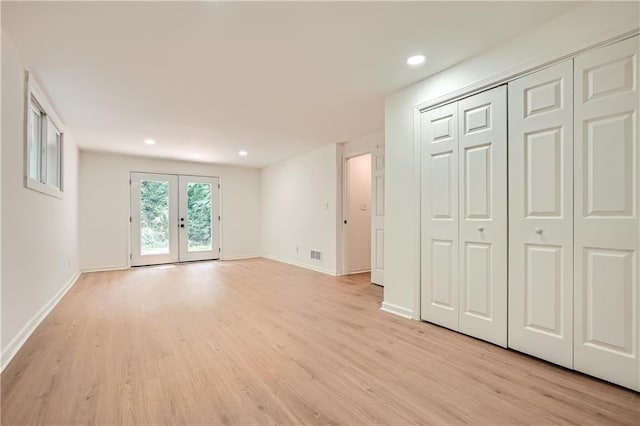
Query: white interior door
x=199 y=218
x=607 y=231
x=439 y=215
x=377 y=216
x=482 y=140
x=154 y=214
x=541 y=214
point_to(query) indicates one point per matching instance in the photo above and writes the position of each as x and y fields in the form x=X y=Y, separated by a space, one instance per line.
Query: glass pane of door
x=154 y=217
x=199 y=216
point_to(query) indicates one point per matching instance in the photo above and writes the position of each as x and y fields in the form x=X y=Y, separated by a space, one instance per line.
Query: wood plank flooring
x=260 y=342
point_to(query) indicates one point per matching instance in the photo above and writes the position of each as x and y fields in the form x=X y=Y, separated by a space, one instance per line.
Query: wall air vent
x=316 y=255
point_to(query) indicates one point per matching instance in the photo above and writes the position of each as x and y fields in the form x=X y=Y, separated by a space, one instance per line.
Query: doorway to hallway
x=357 y=214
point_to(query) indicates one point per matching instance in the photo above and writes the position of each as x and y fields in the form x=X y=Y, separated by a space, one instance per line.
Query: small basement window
x=44 y=144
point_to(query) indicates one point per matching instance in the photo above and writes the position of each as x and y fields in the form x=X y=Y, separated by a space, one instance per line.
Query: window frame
x=36 y=100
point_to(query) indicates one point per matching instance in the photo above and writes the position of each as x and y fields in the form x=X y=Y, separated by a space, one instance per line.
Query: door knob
x=539 y=231
x=481 y=228
x=182 y=225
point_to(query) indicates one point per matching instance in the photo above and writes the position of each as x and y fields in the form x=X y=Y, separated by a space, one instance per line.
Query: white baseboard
x=16 y=343
x=252 y=256
x=397 y=310
x=123 y=267
x=104 y=268
x=358 y=271
x=303 y=265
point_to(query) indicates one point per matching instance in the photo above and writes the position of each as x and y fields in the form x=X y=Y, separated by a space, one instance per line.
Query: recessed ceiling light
x=416 y=60
x=243 y=153
x=149 y=141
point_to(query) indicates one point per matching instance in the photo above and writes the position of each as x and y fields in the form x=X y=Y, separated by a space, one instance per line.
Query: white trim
x=104 y=268
x=43 y=188
x=32 y=89
x=19 y=340
x=250 y=256
x=417 y=182
x=303 y=265
x=397 y=310
x=358 y=271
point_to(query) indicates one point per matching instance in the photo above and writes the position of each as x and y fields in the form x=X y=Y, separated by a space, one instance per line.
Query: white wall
x=359 y=213
x=364 y=145
x=589 y=24
x=301 y=202
x=40 y=232
x=298 y=203
x=104 y=206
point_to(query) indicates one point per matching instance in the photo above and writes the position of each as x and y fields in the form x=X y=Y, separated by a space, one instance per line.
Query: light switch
x=363 y=207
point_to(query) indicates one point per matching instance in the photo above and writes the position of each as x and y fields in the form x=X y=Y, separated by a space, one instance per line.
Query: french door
x=174 y=218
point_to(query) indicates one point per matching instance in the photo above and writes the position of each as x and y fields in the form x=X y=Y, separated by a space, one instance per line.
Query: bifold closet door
x=541 y=214
x=464 y=215
x=439 y=215
x=482 y=136
x=607 y=230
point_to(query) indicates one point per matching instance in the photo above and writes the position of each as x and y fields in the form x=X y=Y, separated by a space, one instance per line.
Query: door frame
x=129 y=247
x=345 y=208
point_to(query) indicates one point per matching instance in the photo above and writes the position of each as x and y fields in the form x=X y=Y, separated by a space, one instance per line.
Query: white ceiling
x=276 y=79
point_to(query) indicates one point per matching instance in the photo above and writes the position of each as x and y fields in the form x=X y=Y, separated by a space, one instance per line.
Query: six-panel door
x=377 y=216
x=482 y=138
x=607 y=180
x=439 y=215
x=541 y=214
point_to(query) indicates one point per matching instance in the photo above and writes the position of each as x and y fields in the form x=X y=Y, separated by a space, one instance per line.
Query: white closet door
x=482 y=130
x=377 y=216
x=606 y=213
x=439 y=216
x=541 y=214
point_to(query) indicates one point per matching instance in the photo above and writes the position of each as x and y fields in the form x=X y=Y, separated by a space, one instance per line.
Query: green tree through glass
x=199 y=207
x=154 y=217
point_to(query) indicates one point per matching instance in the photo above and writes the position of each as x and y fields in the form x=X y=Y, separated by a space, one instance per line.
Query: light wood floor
x=259 y=342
